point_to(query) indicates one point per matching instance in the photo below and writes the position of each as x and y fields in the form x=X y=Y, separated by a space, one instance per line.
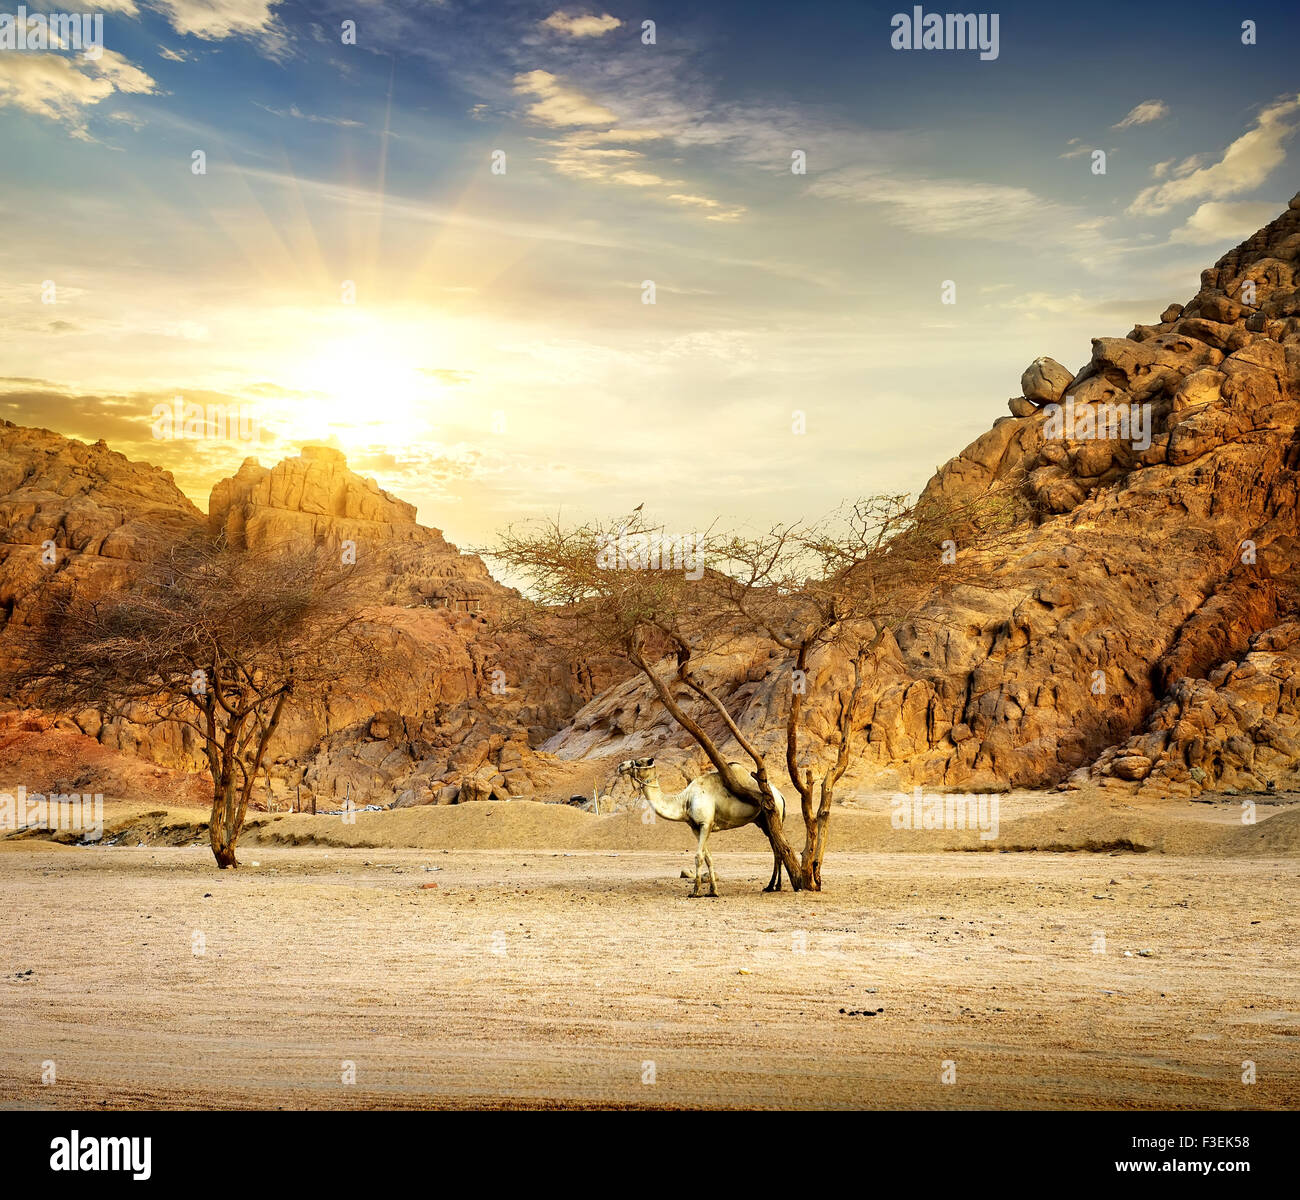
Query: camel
x=705 y=805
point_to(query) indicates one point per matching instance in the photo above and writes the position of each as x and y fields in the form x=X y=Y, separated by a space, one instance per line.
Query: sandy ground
x=572 y=969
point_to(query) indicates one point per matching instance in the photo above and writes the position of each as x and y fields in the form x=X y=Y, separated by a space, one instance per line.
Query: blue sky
x=497 y=361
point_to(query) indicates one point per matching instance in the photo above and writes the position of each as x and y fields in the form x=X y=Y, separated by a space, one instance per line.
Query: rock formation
x=1143 y=632
x=457 y=703
x=1158 y=542
x=315 y=498
x=82 y=515
x=1236 y=730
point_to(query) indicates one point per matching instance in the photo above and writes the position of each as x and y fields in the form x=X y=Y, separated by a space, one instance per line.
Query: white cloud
x=582 y=26
x=62 y=88
x=713 y=210
x=294 y=111
x=594 y=154
x=559 y=105
x=935 y=205
x=214 y=20
x=1144 y=114
x=639 y=179
x=1245 y=164
x=1220 y=222
x=1032 y=305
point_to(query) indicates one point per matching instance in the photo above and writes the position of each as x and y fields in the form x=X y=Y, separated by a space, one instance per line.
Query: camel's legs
x=774 y=884
x=702 y=833
x=708 y=860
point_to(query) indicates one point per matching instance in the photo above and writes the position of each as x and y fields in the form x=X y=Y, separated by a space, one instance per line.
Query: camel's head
x=640 y=769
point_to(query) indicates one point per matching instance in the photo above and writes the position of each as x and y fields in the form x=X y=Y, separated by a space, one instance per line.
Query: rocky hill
x=1159 y=509
x=1144 y=632
x=315 y=498
x=83 y=515
x=456 y=703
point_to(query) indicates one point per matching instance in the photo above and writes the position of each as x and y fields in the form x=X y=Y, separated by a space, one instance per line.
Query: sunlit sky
x=498 y=361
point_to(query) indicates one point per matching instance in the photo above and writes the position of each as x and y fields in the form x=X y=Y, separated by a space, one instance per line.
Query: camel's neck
x=671 y=808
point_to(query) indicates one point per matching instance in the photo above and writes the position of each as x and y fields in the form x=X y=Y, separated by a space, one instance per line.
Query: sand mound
x=1272 y=836
x=1051 y=824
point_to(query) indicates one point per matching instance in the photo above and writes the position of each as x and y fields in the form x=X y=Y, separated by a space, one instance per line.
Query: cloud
x=63 y=88
x=1032 y=305
x=172 y=55
x=560 y=105
x=589 y=162
x=590 y=156
x=121 y=418
x=935 y=205
x=963 y=208
x=447 y=375
x=714 y=211
x=640 y=179
x=1144 y=114
x=1245 y=164
x=294 y=111
x=214 y=20
x=612 y=135
x=1220 y=222
x=581 y=26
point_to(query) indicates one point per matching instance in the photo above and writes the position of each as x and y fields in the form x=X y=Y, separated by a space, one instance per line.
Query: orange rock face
x=459 y=703
x=1140 y=632
x=79 y=514
x=1156 y=547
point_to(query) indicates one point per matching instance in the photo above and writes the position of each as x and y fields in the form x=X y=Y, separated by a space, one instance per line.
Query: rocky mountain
x=1146 y=604
x=1144 y=633
x=315 y=498
x=456 y=703
x=82 y=515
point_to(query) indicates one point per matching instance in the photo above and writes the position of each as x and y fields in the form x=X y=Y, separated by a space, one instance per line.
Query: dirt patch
x=333 y=978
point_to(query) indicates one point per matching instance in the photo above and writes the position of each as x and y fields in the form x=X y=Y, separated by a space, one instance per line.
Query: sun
x=368 y=385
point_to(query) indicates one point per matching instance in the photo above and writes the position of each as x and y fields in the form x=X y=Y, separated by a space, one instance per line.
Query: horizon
x=348 y=269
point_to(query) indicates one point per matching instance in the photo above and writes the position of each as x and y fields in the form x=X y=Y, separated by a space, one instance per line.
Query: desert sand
x=508 y=955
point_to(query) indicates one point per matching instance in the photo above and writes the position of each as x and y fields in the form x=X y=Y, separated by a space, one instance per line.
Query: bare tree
x=209 y=639
x=837 y=586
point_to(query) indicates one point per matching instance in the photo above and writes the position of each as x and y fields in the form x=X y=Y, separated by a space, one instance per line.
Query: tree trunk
x=224 y=825
x=814 y=847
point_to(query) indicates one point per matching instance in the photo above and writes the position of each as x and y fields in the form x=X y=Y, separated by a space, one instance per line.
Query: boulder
x=1044 y=381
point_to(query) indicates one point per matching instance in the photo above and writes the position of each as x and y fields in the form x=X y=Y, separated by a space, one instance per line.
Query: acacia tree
x=834 y=587
x=209 y=639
